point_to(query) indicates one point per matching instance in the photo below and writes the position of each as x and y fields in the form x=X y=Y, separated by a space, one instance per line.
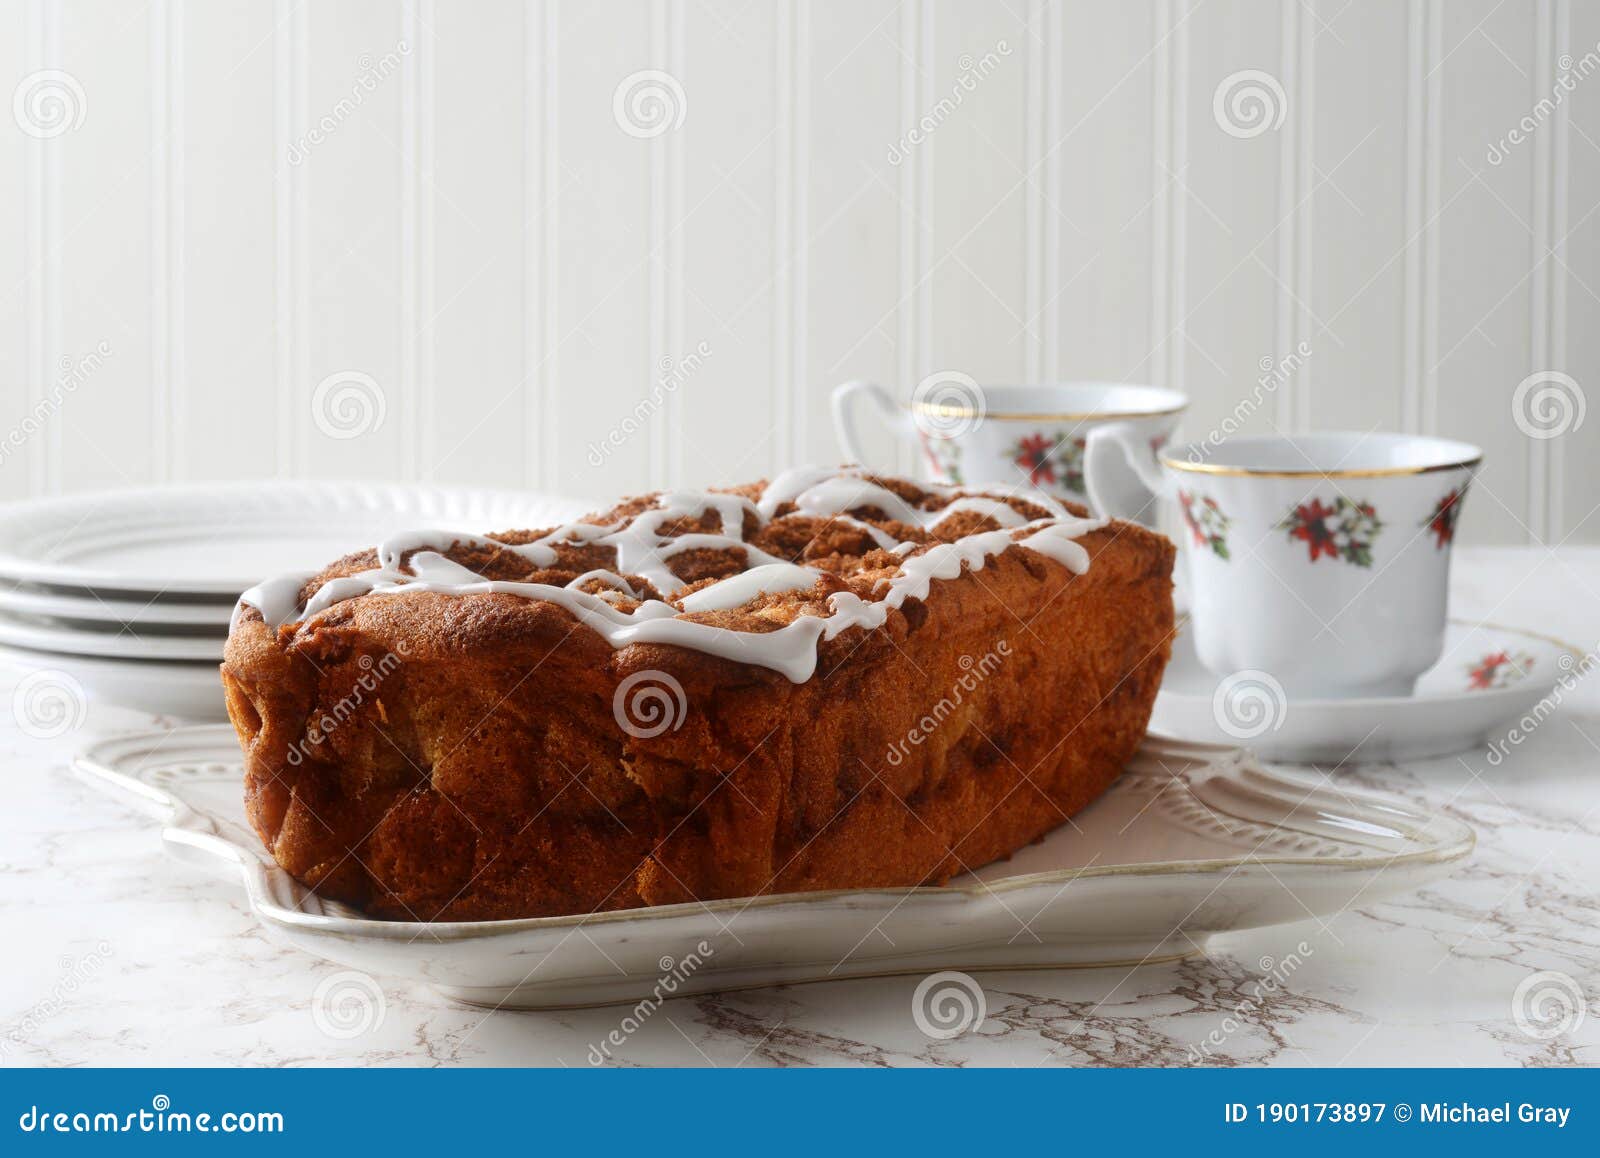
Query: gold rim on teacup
x=1372 y=472
x=945 y=410
x=1466 y=456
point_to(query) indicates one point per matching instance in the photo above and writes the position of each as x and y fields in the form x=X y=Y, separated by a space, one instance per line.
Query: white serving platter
x=1193 y=840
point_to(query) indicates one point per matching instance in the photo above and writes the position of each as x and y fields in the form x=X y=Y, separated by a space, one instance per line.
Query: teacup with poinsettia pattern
x=1028 y=436
x=1320 y=560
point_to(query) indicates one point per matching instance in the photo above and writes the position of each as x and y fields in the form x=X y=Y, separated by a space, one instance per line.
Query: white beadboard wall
x=511 y=271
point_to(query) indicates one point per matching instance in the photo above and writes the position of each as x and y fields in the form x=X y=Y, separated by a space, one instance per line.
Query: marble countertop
x=118 y=955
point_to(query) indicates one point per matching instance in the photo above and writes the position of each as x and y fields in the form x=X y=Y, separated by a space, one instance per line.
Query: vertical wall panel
x=112 y=432
x=352 y=234
x=1099 y=217
x=914 y=303
x=602 y=334
x=19 y=450
x=1486 y=252
x=224 y=237
x=473 y=429
x=980 y=177
x=1357 y=367
x=1162 y=362
x=738 y=246
x=1575 y=345
x=1230 y=186
x=853 y=240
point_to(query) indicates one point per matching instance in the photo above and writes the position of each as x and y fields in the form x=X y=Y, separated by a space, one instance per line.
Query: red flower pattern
x=1344 y=530
x=1497 y=669
x=944 y=458
x=1056 y=461
x=1311 y=526
x=1206 y=522
x=1443 y=520
x=1033 y=456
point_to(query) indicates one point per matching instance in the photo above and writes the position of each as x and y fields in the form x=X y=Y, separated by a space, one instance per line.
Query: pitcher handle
x=844 y=400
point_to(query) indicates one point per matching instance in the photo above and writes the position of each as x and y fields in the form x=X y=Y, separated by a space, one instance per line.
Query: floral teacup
x=1316 y=562
x=1032 y=436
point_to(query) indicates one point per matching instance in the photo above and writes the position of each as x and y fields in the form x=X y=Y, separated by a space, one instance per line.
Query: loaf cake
x=834 y=680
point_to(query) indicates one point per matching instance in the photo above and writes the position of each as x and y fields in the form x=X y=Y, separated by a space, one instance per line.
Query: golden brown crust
x=431 y=756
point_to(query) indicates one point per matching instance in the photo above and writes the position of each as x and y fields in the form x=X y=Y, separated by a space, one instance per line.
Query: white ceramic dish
x=1193 y=840
x=1448 y=712
x=220 y=538
x=81 y=607
x=187 y=690
x=62 y=638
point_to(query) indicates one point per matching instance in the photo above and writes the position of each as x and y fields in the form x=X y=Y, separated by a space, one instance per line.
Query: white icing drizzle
x=788 y=486
x=277 y=598
x=841 y=493
x=737 y=590
x=642 y=550
x=1001 y=512
x=611 y=578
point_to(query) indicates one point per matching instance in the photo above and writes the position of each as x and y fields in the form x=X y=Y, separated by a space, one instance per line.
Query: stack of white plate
x=129 y=593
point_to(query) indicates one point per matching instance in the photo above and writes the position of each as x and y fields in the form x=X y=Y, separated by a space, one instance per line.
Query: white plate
x=1193 y=840
x=220 y=538
x=82 y=607
x=62 y=638
x=1448 y=712
x=189 y=691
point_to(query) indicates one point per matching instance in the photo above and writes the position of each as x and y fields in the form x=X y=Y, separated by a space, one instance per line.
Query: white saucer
x=217 y=539
x=1462 y=702
x=187 y=690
